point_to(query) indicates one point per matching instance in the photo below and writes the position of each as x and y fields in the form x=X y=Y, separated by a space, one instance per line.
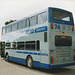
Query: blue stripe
x=44 y=54
x=18 y=51
x=18 y=60
x=25 y=52
x=38 y=53
x=32 y=53
x=35 y=53
x=62 y=65
x=38 y=64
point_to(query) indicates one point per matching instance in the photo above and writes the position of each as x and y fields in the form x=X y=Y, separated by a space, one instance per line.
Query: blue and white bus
x=44 y=39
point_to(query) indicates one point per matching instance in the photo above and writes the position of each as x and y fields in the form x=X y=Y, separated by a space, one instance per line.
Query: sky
x=17 y=9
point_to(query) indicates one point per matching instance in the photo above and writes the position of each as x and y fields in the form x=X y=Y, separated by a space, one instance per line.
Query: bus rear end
x=61 y=38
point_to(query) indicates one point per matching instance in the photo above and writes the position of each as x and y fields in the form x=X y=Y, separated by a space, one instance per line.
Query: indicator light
x=74 y=57
x=51 y=25
x=51 y=59
x=72 y=28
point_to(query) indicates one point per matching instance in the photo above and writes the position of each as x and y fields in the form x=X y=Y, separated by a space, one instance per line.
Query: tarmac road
x=10 y=68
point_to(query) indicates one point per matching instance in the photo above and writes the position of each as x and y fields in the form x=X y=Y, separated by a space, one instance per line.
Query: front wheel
x=6 y=59
x=29 y=62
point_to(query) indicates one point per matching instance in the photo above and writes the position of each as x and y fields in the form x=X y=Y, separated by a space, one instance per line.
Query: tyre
x=6 y=59
x=29 y=62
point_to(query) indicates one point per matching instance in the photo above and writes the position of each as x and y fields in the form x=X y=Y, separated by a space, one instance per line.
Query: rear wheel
x=29 y=62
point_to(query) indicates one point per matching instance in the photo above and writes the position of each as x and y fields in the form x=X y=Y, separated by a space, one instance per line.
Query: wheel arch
x=6 y=53
x=27 y=57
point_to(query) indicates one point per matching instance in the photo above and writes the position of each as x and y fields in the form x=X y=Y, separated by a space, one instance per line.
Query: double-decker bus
x=44 y=39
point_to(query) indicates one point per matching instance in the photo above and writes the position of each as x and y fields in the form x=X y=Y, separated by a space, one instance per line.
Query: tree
x=6 y=23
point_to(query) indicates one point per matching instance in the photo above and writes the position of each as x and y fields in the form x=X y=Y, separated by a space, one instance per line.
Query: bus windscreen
x=62 y=16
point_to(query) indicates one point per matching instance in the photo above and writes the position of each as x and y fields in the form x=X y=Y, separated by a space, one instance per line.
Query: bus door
x=2 y=49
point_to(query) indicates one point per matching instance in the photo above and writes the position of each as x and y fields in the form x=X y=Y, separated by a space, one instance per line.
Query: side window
x=7 y=45
x=3 y=30
x=42 y=18
x=21 y=24
x=28 y=23
x=20 y=45
x=33 y=21
x=30 y=45
x=13 y=45
x=25 y=23
x=14 y=27
x=8 y=28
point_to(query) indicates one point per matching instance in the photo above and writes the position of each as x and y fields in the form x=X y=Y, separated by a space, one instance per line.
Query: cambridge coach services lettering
x=37 y=30
x=41 y=29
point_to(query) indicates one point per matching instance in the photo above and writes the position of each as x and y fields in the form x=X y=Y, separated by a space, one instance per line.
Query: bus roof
x=59 y=9
x=36 y=14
